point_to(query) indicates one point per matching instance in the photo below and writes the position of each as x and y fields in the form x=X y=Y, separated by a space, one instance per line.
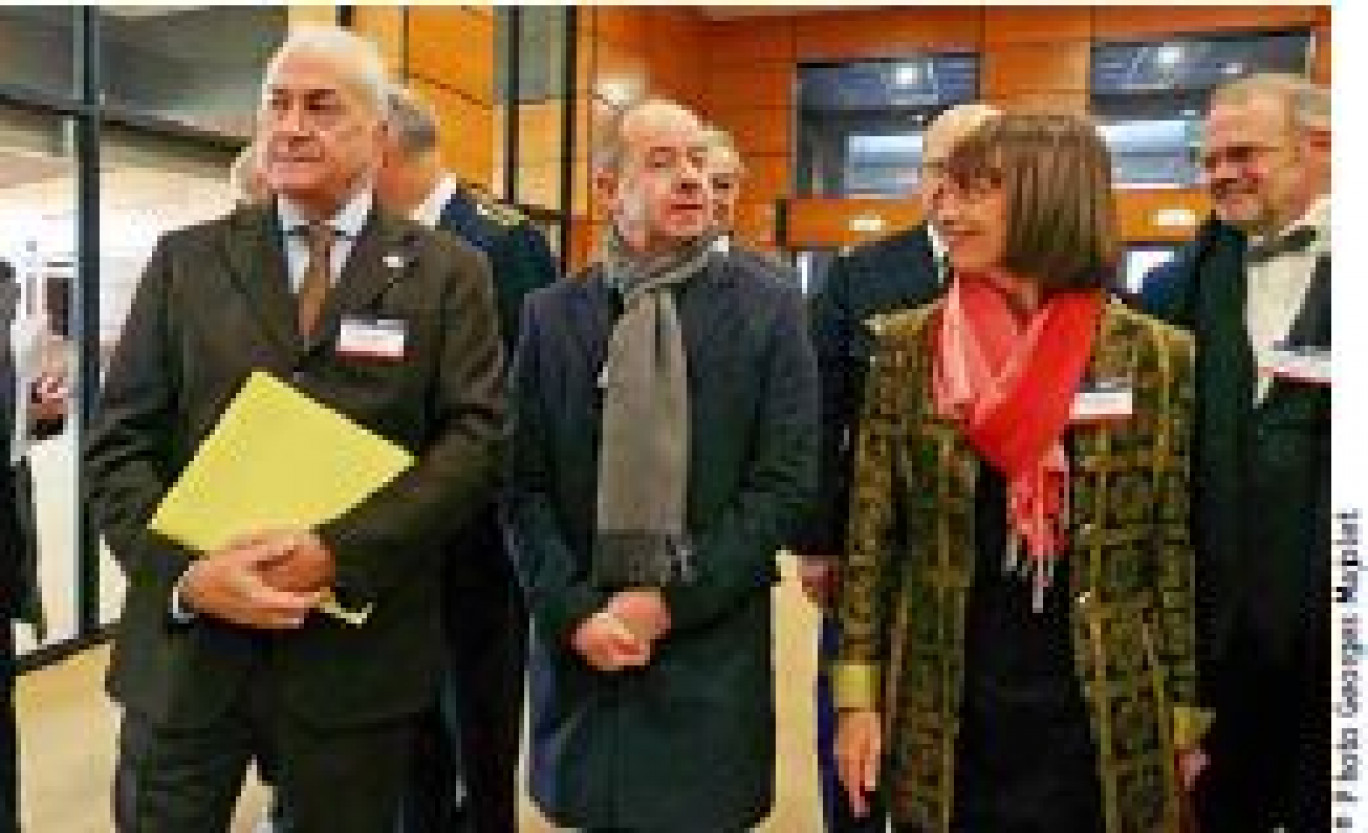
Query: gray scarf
x=640 y=537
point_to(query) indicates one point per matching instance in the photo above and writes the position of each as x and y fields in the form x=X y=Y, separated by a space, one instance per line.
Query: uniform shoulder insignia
x=501 y=213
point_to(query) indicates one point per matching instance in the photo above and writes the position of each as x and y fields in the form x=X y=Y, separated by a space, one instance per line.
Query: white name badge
x=1103 y=401
x=1308 y=365
x=372 y=338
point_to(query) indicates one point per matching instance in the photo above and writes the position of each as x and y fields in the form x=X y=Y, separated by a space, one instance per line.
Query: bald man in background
x=899 y=272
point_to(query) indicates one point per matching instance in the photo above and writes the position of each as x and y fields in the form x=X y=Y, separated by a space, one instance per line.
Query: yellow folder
x=277 y=459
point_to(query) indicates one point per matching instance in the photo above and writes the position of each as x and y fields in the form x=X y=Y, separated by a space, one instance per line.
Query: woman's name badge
x=1307 y=365
x=1103 y=401
x=372 y=338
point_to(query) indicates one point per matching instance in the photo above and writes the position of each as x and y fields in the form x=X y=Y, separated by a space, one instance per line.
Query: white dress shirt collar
x=429 y=211
x=347 y=222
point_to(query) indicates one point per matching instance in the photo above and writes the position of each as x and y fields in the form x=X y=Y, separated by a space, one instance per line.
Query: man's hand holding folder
x=277 y=465
x=269 y=580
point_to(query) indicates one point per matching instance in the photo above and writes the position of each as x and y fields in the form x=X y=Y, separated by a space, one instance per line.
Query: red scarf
x=1010 y=385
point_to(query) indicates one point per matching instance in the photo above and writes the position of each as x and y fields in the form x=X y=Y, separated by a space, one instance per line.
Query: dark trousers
x=1270 y=744
x=172 y=780
x=835 y=804
x=466 y=756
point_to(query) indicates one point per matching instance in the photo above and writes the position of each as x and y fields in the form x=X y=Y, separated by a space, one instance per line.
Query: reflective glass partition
x=860 y=124
x=1149 y=97
x=39 y=54
x=38 y=238
x=198 y=66
x=116 y=124
x=534 y=100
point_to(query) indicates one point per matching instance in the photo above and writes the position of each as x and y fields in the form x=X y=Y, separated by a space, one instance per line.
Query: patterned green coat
x=904 y=594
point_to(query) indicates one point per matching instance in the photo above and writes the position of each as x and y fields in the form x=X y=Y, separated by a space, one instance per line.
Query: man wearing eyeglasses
x=1254 y=287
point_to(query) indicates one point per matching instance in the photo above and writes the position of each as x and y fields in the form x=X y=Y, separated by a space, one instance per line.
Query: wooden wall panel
x=467 y=139
x=1019 y=68
x=767 y=176
x=674 y=43
x=887 y=32
x=311 y=15
x=454 y=47
x=1073 y=103
x=625 y=26
x=1162 y=214
x=750 y=41
x=618 y=72
x=1121 y=22
x=758 y=130
x=1320 y=58
x=756 y=225
x=756 y=86
x=1156 y=215
x=385 y=26
x=833 y=222
x=1035 y=24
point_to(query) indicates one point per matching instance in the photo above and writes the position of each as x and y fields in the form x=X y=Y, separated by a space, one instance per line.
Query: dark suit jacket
x=686 y=744
x=1262 y=472
x=521 y=262
x=888 y=275
x=214 y=305
x=516 y=249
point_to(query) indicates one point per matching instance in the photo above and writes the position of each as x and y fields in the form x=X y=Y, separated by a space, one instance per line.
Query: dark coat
x=518 y=255
x=1262 y=498
x=520 y=262
x=687 y=743
x=214 y=305
x=888 y=275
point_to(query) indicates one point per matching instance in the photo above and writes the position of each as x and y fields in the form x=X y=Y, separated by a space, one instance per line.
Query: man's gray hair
x=356 y=57
x=610 y=146
x=411 y=121
x=1307 y=104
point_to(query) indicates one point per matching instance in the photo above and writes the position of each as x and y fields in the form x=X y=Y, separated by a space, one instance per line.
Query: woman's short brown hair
x=1056 y=174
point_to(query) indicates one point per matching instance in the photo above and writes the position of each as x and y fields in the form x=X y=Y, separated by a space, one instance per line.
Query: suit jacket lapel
x=382 y=255
x=592 y=324
x=703 y=309
x=1312 y=324
x=256 y=259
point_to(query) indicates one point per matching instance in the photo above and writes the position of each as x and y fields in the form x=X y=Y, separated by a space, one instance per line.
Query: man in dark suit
x=32 y=406
x=899 y=272
x=470 y=744
x=222 y=657
x=1254 y=288
x=665 y=443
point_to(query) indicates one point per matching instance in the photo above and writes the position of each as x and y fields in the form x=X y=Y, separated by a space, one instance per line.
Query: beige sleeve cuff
x=855 y=685
x=1190 y=725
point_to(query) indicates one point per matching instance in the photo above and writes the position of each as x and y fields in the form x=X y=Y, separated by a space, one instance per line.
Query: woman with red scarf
x=1017 y=608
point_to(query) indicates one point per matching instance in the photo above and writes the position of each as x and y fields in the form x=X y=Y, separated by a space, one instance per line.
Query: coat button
x=1084 y=598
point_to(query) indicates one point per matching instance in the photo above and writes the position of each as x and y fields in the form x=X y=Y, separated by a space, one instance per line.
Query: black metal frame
x=512 y=72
